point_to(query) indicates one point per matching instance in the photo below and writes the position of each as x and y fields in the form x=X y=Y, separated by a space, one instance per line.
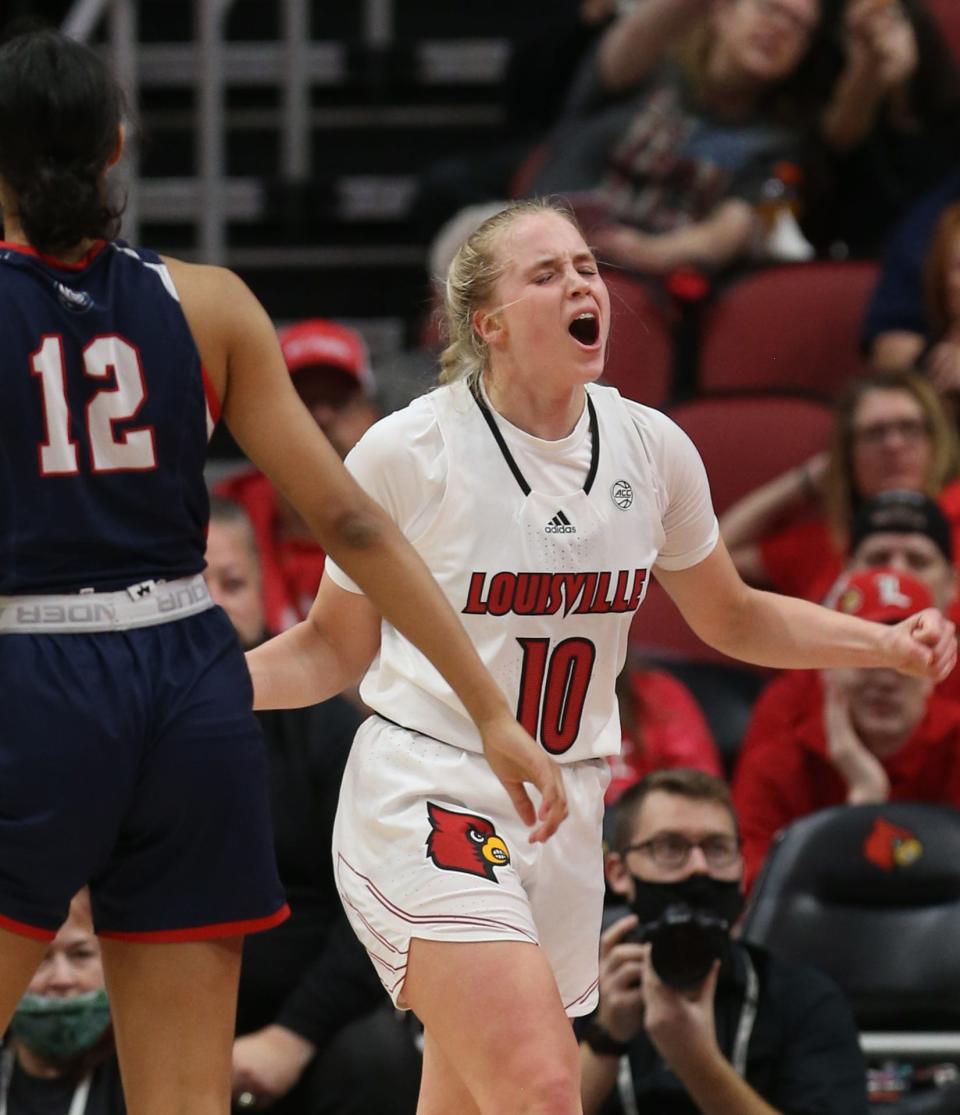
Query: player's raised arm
x=782 y=631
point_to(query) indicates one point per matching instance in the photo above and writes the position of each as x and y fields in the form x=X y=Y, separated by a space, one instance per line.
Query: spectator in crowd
x=317 y=1032
x=871 y=736
x=758 y=1035
x=662 y=726
x=331 y=372
x=897 y=325
x=890 y=129
x=904 y=531
x=936 y=351
x=891 y=432
x=59 y=1055
x=940 y=357
x=678 y=123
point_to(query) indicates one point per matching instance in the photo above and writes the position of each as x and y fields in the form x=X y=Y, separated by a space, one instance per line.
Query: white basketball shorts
x=427 y=844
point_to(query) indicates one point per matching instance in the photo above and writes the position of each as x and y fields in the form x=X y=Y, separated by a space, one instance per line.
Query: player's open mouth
x=585 y=328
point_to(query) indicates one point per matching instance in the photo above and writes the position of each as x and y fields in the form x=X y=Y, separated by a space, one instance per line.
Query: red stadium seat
x=744 y=440
x=640 y=349
x=795 y=327
x=947 y=15
x=747 y=439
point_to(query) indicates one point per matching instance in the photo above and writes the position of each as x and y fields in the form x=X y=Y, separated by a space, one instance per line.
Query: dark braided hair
x=60 y=111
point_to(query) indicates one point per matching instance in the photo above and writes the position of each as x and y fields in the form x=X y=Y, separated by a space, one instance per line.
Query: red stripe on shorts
x=202 y=932
x=21 y=928
x=582 y=998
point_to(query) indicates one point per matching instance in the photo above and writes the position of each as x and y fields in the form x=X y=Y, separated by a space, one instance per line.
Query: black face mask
x=687 y=923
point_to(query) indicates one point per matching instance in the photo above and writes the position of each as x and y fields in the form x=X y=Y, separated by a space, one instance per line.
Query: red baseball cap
x=884 y=595
x=317 y=341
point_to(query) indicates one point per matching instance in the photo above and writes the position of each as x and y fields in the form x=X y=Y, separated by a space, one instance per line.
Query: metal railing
x=211 y=131
x=293 y=63
x=911 y=1044
x=209 y=79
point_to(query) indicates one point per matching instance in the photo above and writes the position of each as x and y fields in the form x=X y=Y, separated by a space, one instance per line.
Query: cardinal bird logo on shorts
x=890 y=846
x=465 y=842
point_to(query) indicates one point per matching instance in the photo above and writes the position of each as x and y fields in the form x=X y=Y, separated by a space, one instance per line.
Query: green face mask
x=59 y=1029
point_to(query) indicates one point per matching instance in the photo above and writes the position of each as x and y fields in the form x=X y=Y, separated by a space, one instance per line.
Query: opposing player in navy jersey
x=129 y=756
x=542 y=502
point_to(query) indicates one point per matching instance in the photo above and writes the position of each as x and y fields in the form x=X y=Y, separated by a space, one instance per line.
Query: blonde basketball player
x=542 y=503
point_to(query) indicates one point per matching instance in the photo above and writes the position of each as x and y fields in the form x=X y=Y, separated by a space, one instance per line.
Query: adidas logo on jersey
x=560 y=524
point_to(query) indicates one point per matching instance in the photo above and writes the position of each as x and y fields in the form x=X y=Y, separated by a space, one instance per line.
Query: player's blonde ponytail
x=471 y=278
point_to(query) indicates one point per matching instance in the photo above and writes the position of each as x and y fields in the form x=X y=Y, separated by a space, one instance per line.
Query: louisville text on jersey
x=545 y=594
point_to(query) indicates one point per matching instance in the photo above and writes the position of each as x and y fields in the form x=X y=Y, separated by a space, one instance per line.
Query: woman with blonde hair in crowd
x=682 y=121
x=891 y=432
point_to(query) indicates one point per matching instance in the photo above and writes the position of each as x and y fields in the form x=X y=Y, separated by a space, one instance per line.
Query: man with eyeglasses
x=759 y=1036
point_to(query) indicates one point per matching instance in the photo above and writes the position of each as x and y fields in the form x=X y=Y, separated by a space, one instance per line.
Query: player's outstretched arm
x=782 y=631
x=239 y=349
x=320 y=656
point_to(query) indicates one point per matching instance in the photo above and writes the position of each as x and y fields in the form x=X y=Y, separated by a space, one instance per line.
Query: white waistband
x=141 y=605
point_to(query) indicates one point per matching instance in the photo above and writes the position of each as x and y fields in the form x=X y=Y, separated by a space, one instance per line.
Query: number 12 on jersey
x=106 y=358
x=553 y=690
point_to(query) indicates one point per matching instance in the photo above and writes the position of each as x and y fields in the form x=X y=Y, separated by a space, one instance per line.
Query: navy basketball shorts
x=131 y=761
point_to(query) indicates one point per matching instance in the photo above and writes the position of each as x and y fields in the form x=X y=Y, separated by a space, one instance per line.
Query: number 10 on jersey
x=553 y=690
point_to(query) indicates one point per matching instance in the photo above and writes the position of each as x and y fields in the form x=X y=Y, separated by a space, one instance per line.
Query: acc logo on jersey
x=621 y=493
x=465 y=842
x=76 y=301
x=889 y=846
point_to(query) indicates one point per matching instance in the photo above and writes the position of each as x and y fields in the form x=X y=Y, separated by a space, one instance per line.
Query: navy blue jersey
x=104 y=424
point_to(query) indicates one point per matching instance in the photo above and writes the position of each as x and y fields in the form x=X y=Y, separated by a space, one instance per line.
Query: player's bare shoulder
x=203 y=281
x=221 y=310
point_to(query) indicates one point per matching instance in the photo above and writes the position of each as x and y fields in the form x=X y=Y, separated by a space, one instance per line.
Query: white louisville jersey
x=546 y=583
